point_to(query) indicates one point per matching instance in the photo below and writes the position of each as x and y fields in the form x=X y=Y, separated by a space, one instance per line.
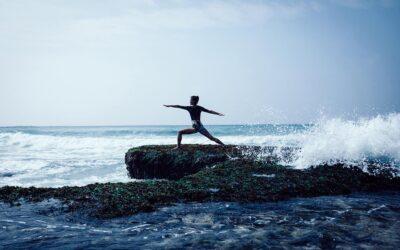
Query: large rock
x=241 y=179
x=164 y=162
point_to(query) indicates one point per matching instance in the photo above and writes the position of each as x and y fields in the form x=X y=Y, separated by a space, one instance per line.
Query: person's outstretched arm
x=176 y=106
x=212 y=112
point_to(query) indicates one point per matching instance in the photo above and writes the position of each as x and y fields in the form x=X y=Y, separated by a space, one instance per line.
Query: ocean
x=77 y=156
x=357 y=221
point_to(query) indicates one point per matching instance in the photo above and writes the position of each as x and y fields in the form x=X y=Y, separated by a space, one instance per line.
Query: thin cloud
x=196 y=15
x=52 y=23
x=178 y=16
x=364 y=4
x=94 y=22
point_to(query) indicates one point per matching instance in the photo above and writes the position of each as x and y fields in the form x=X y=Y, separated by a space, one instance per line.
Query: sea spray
x=337 y=140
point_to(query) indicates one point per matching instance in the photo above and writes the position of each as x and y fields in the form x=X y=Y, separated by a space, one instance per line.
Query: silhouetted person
x=195 y=111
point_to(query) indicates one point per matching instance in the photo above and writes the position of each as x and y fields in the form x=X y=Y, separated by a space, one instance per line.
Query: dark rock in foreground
x=241 y=180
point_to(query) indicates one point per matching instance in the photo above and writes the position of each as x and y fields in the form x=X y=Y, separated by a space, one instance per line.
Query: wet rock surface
x=236 y=178
x=165 y=162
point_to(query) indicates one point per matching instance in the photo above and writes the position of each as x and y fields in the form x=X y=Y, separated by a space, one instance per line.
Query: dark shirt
x=195 y=112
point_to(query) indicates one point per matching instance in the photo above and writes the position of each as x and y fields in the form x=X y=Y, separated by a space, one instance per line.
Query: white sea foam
x=338 y=140
x=28 y=159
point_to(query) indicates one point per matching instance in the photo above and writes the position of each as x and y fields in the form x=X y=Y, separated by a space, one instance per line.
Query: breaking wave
x=362 y=140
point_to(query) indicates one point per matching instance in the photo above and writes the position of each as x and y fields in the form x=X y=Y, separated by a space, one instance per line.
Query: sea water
x=357 y=221
x=77 y=156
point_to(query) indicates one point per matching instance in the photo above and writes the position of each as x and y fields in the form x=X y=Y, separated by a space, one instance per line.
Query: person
x=195 y=112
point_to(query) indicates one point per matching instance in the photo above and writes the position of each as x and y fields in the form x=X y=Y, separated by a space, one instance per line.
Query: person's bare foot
x=176 y=148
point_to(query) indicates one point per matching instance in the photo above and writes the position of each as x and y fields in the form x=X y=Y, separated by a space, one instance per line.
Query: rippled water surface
x=359 y=220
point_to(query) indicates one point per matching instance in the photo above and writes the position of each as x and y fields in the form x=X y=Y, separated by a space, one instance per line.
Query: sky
x=90 y=62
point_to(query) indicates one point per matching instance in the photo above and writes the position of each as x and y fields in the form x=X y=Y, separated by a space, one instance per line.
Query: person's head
x=194 y=99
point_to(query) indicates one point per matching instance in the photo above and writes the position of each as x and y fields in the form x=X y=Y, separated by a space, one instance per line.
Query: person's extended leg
x=184 y=132
x=207 y=134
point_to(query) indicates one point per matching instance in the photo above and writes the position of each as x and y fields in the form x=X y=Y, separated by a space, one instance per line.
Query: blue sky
x=116 y=62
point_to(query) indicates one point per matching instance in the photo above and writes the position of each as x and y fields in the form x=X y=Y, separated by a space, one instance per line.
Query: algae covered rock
x=203 y=173
x=233 y=180
x=164 y=162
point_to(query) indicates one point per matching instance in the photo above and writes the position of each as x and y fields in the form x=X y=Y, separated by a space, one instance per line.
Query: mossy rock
x=201 y=173
x=164 y=162
x=233 y=180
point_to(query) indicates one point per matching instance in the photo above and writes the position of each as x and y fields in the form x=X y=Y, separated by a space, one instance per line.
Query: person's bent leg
x=209 y=136
x=217 y=141
x=184 y=132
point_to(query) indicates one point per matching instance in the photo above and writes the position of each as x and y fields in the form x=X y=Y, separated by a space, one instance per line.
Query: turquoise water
x=159 y=131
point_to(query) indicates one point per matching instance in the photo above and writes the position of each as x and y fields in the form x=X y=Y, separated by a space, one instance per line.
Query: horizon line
x=153 y=125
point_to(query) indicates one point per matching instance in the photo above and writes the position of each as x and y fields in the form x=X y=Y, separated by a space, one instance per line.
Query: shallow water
x=358 y=220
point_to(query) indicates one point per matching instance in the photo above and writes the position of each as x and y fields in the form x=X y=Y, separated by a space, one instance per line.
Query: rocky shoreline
x=202 y=173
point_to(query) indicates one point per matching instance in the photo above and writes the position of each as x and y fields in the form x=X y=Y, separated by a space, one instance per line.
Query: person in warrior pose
x=195 y=111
